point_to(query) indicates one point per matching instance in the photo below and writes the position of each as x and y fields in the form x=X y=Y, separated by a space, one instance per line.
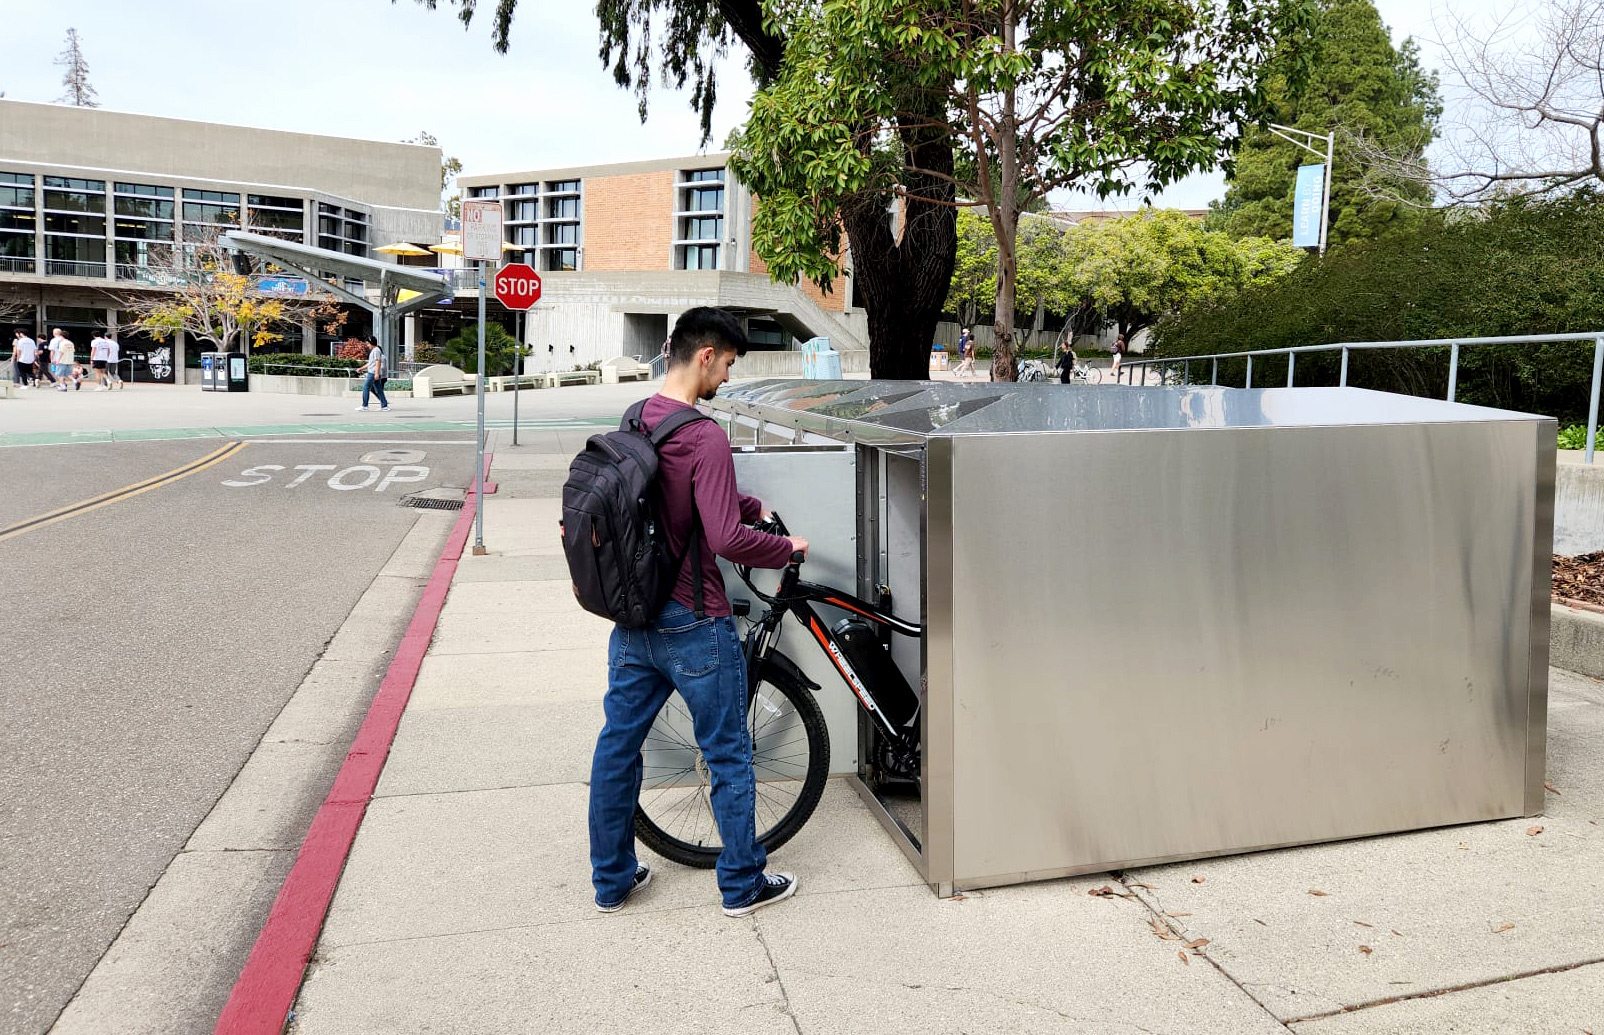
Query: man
x=374 y=381
x=97 y=361
x=61 y=360
x=1067 y=362
x=700 y=657
x=113 y=357
x=24 y=350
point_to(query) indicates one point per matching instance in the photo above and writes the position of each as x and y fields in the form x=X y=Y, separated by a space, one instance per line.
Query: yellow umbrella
x=402 y=248
x=446 y=248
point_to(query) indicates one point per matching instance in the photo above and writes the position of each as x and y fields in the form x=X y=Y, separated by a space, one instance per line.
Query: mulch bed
x=1579 y=581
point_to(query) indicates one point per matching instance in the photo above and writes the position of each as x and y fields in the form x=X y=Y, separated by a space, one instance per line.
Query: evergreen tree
x=76 y=80
x=1359 y=85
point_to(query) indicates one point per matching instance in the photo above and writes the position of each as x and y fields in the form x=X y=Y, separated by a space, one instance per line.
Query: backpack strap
x=634 y=420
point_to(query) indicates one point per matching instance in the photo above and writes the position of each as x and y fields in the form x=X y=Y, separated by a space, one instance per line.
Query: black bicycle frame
x=797 y=598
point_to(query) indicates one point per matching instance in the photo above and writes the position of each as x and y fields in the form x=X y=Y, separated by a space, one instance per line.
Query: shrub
x=296 y=365
x=501 y=350
x=353 y=348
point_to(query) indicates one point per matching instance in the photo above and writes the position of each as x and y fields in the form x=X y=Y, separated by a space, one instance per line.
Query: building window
x=18 y=223
x=217 y=197
x=523 y=235
x=75 y=227
x=562 y=259
x=143 y=208
x=562 y=208
x=142 y=226
x=562 y=233
x=703 y=228
x=699 y=256
x=69 y=183
x=145 y=190
x=518 y=188
x=705 y=176
x=483 y=192
x=524 y=211
x=705 y=199
x=281 y=217
x=562 y=187
x=75 y=256
x=342 y=229
x=766 y=334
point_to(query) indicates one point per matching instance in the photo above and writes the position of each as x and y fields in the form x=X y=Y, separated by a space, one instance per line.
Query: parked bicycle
x=790 y=743
x=1086 y=374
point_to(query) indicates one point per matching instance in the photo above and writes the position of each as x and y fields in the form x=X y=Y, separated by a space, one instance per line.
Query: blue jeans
x=376 y=386
x=703 y=661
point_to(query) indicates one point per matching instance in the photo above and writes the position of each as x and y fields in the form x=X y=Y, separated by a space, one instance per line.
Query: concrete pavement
x=466 y=906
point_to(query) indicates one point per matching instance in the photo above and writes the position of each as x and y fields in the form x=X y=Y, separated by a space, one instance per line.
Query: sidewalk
x=466 y=906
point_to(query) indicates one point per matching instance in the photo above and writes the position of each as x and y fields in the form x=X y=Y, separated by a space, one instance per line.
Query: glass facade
x=700 y=218
x=74 y=227
x=543 y=223
x=342 y=229
x=142 y=232
x=18 y=222
x=278 y=216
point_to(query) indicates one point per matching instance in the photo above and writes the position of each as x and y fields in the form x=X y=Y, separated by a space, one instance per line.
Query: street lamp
x=1284 y=132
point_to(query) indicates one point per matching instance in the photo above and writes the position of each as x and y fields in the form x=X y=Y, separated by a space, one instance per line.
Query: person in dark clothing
x=1067 y=362
x=697 y=654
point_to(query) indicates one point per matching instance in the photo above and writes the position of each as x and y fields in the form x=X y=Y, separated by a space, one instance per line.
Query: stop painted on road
x=343 y=479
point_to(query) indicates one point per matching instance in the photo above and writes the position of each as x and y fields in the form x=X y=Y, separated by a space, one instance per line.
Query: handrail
x=330 y=372
x=1129 y=369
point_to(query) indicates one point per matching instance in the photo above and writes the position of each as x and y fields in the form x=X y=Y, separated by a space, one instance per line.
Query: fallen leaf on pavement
x=1103 y=892
x=1361 y=923
x=1162 y=931
x=1501 y=928
x=1551 y=788
x=1197 y=880
x=1317 y=893
x=1367 y=950
x=1533 y=831
x=1197 y=943
x=1184 y=959
x=1177 y=915
x=1261 y=923
x=1398 y=933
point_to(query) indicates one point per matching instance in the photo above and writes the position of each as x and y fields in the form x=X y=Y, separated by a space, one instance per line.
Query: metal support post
x=1292 y=362
x=1214 y=372
x=1592 y=402
x=517 y=374
x=479 y=467
x=1249 y=383
x=1342 y=379
x=1186 y=372
x=1453 y=371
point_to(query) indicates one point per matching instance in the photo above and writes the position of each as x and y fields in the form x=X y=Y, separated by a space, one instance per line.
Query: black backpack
x=613 y=533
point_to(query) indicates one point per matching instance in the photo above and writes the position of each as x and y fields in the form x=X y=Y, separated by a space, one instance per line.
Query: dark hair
x=700 y=327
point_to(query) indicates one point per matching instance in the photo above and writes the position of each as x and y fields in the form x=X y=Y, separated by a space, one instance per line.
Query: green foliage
x=1516 y=268
x=501 y=350
x=1574 y=436
x=1358 y=85
x=293 y=364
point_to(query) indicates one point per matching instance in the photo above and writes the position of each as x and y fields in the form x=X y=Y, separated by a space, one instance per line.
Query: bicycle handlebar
x=774 y=525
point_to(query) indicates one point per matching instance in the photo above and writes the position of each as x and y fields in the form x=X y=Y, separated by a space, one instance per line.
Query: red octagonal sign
x=517 y=285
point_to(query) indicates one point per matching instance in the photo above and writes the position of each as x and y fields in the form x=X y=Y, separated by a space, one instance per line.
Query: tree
x=1159 y=262
x=502 y=350
x=1363 y=88
x=901 y=263
x=1529 y=117
x=76 y=79
x=450 y=169
x=1526 y=266
x=213 y=302
x=1042 y=95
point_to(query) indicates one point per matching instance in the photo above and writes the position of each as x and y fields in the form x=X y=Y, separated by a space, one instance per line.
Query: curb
x=1576 y=640
x=268 y=984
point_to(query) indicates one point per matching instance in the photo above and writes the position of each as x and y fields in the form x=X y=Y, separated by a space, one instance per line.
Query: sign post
x=517 y=288
x=481 y=244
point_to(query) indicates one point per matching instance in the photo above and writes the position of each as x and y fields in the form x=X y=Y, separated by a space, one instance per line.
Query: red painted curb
x=267 y=986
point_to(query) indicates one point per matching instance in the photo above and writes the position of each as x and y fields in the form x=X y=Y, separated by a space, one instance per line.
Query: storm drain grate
x=430 y=503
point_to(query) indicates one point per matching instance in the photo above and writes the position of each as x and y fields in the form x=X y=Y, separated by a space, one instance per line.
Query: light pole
x=1284 y=132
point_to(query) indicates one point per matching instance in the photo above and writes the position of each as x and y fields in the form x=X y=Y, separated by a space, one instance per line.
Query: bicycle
x=1087 y=374
x=790 y=743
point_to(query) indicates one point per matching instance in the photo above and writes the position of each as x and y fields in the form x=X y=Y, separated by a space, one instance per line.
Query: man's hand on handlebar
x=799 y=548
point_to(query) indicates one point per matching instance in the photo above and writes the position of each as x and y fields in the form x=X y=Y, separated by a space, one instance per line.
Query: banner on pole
x=1308 y=201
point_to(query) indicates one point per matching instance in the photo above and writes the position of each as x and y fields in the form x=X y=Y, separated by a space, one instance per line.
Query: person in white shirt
x=113 y=357
x=374 y=381
x=97 y=361
x=61 y=360
x=24 y=350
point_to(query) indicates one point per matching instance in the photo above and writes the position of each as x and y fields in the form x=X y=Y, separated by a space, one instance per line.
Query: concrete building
x=92 y=201
x=622 y=249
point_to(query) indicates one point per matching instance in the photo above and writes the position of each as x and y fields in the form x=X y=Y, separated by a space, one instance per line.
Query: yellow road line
x=126 y=492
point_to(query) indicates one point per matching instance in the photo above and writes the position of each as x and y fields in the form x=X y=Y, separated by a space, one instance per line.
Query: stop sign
x=517 y=285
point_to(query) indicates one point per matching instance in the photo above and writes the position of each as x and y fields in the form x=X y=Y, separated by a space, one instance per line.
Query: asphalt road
x=151 y=642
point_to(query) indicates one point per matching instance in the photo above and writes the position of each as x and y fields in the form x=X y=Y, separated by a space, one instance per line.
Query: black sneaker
x=643 y=877
x=777 y=887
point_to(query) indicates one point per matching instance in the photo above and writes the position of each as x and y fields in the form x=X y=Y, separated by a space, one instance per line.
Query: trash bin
x=1167 y=623
x=819 y=361
x=233 y=376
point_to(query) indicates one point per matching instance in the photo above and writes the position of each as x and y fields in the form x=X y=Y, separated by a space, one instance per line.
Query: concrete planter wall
x=1576 y=641
x=284 y=384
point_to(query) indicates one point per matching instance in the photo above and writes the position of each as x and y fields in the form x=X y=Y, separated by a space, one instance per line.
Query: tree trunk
x=1005 y=222
x=902 y=283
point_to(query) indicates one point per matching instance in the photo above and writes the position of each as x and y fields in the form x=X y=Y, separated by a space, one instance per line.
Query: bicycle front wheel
x=790 y=758
x=1094 y=376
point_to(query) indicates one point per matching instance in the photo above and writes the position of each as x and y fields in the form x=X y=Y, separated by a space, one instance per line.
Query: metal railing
x=658 y=365
x=355 y=373
x=1130 y=370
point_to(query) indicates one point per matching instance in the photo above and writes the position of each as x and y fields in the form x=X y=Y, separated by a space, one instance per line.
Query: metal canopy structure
x=316 y=264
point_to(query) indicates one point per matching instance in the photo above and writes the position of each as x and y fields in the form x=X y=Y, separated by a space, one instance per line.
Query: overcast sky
x=377 y=70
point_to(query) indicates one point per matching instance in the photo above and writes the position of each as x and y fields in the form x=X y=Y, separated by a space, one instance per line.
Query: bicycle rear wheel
x=1094 y=375
x=790 y=757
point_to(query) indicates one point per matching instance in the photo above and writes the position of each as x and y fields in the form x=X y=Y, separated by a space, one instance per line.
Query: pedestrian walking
x=1067 y=362
x=966 y=355
x=62 y=361
x=1118 y=349
x=374 y=379
x=24 y=351
x=113 y=357
x=692 y=646
x=97 y=361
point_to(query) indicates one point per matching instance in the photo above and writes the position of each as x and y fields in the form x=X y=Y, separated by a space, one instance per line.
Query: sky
x=379 y=70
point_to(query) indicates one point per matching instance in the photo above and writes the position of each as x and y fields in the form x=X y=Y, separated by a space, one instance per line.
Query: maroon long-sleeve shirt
x=697 y=459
